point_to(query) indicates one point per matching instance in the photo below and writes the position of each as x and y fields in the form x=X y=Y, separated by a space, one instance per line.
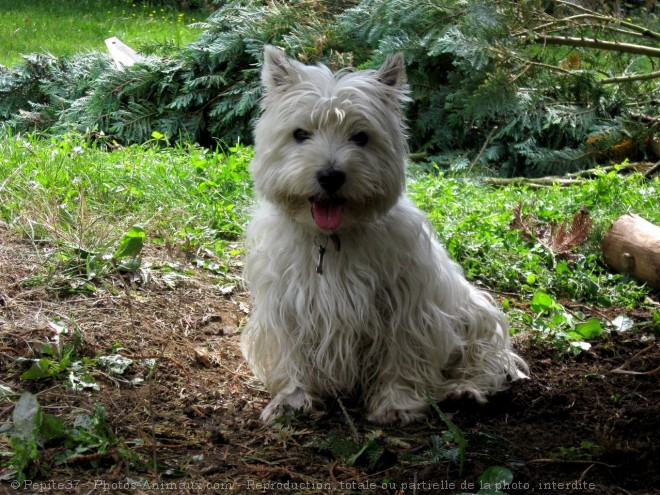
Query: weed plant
x=31 y=428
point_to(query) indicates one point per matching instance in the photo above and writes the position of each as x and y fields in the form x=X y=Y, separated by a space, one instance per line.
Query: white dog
x=352 y=292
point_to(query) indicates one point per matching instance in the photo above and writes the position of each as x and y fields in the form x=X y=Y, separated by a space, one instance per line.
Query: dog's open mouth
x=328 y=213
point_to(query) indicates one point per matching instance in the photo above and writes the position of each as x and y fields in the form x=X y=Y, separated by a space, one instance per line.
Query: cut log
x=632 y=245
x=123 y=55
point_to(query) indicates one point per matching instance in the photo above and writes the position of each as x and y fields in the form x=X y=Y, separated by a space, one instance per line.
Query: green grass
x=66 y=27
x=473 y=222
x=548 y=296
x=74 y=195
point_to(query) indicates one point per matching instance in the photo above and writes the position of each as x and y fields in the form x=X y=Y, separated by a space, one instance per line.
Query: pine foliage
x=484 y=93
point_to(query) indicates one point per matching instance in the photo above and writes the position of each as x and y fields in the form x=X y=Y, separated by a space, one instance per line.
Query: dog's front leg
x=394 y=396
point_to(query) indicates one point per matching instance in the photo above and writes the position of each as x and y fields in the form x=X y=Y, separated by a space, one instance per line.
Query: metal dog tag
x=319 y=266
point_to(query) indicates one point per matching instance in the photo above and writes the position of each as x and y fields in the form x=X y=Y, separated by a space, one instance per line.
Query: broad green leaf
x=131 y=243
x=93 y=267
x=79 y=382
x=542 y=302
x=496 y=475
x=589 y=329
x=47 y=350
x=130 y=264
x=42 y=368
x=493 y=480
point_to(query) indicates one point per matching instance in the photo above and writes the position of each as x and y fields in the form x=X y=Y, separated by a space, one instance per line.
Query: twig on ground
x=622 y=370
x=653 y=170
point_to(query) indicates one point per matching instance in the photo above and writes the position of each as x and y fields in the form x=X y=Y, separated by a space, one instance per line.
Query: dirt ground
x=585 y=424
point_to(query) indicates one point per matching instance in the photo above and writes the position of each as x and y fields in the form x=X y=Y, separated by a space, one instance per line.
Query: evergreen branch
x=598 y=44
x=634 y=77
x=549 y=67
x=504 y=53
x=466 y=72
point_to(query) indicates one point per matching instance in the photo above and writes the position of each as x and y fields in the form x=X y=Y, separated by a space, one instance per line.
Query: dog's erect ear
x=393 y=71
x=278 y=71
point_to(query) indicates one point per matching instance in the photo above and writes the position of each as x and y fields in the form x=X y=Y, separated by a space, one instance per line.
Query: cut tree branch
x=577 y=178
x=483 y=148
x=633 y=77
x=628 y=167
x=653 y=170
x=603 y=21
x=532 y=182
x=598 y=44
x=577 y=7
x=649 y=119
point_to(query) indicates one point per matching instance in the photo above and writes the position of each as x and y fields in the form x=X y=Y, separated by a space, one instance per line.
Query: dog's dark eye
x=301 y=135
x=361 y=138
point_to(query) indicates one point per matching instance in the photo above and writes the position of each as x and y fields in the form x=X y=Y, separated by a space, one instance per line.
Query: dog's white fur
x=391 y=317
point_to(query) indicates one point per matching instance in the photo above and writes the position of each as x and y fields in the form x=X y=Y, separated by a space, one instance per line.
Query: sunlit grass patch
x=66 y=27
x=69 y=193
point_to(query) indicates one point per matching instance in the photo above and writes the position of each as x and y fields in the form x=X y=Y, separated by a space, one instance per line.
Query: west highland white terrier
x=352 y=293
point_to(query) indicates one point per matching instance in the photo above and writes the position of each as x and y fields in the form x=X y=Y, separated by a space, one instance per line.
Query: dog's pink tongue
x=327 y=215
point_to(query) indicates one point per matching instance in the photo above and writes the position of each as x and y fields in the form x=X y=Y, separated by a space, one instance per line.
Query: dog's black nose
x=331 y=179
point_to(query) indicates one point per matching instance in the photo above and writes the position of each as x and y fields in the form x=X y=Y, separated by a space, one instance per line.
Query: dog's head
x=330 y=148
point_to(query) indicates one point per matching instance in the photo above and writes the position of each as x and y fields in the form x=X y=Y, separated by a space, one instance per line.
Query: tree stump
x=632 y=245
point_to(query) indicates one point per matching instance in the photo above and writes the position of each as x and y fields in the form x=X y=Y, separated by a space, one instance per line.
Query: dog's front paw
x=403 y=410
x=394 y=415
x=296 y=400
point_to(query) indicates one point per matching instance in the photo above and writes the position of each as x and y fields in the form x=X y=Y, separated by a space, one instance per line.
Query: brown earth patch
x=577 y=426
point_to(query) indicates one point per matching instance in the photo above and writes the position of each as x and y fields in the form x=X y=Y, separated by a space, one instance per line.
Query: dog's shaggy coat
x=352 y=292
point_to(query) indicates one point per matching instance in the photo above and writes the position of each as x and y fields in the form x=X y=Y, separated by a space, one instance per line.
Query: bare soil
x=581 y=424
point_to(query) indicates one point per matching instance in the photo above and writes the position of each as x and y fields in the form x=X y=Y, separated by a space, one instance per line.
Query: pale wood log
x=632 y=245
x=123 y=55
